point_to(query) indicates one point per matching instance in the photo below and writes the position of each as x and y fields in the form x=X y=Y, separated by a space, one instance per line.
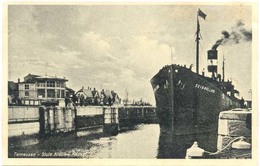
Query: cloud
x=62 y=47
x=131 y=68
x=113 y=47
x=93 y=39
x=95 y=47
x=147 y=56
x=143 y=57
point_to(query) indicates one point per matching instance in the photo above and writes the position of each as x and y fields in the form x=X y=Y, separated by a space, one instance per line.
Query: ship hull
x=188 y=106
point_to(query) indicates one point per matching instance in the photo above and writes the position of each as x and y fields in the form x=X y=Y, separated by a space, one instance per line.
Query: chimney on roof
x=82 y=87
x=18 y=80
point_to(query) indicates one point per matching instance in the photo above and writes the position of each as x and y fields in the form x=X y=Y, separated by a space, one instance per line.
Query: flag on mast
x=201 y=14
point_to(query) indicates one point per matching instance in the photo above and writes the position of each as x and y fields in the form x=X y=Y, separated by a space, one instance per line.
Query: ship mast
x=197 y=45
x=172 y=97
x=171 y=54
x=223 y=68
x=203 y=15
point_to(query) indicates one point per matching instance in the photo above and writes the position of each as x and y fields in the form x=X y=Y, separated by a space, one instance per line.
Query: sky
x=119 y=47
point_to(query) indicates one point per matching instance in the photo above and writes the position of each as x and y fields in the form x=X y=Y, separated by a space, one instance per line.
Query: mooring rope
x=219 y=151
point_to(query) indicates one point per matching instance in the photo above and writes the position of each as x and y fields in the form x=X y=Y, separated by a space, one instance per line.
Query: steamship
x=188 y=103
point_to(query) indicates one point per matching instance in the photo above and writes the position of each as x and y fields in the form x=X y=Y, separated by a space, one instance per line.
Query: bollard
x=241 y=144
x=194 y=151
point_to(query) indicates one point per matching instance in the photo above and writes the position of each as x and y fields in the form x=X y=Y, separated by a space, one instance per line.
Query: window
x=41 y=93
x=26 y=86
x=41 y=84
x=58 y=93
x=58 y=84
x=229 y=93
x=26 y=93
x=62 y=94
x=50 y=84
x=51 y=93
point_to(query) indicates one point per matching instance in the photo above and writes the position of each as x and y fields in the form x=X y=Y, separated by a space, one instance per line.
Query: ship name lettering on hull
x=205 y=88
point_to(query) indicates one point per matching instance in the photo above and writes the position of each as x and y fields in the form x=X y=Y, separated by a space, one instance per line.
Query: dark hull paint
x=188 y=106
x=175 y=146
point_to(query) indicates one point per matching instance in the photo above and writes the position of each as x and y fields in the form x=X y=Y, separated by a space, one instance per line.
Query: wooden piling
x=110 y=125
x=42 y=121
x=75 y=120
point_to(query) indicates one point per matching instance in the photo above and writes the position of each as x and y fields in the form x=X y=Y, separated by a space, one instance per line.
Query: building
x=12 y=92
x=115 y=98
x=93 y=97
x=37 y=88
x=106 y=97
x=87 y=96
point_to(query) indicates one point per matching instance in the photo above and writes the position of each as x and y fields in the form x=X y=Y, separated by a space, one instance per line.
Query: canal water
x=143 y=141
x=139 y=142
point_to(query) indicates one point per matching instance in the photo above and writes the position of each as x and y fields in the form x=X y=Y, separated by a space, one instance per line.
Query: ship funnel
x=212 y=54
x=212 y=62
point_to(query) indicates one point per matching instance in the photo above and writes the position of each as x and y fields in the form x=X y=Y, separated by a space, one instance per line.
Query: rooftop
x=33 y=77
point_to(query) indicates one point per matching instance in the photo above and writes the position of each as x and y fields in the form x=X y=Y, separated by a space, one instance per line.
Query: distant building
x=37 y=87
x=12 y=92
x=87 y=96
x=69 y=92
x=105 y=97
x=115 y=98
x=248 y=103
x=93 y=97
x=96 y=96
x=108 y=97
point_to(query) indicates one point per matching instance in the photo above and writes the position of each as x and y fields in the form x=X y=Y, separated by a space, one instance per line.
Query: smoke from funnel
x=235 y=37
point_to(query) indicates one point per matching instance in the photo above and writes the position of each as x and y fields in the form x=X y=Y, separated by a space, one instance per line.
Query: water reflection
x=146 y=141
x=173 y=146
x=142 y=142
